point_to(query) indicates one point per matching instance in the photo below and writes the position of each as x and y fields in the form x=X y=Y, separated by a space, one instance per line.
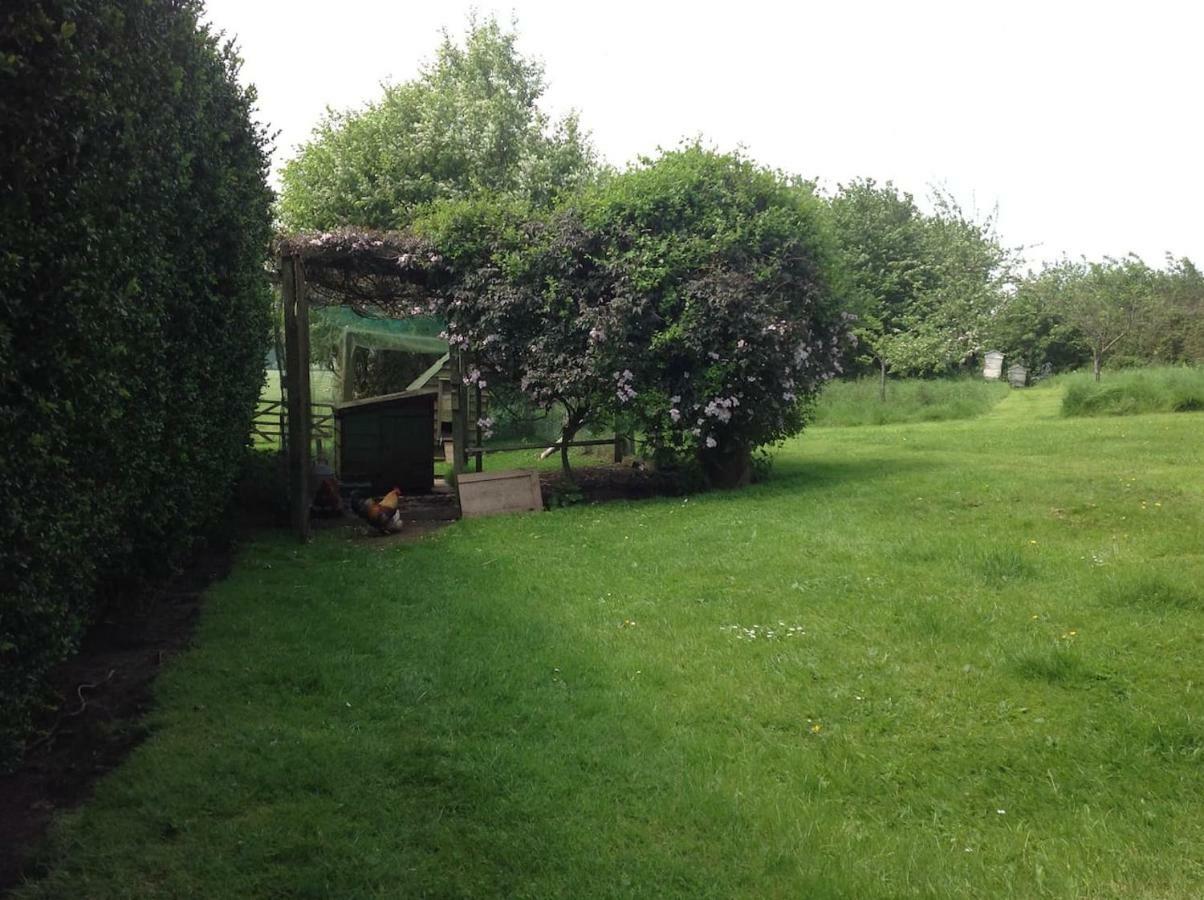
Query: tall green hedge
x=134 y=309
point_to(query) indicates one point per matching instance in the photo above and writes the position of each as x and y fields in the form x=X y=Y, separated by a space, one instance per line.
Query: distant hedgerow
x=134 y=222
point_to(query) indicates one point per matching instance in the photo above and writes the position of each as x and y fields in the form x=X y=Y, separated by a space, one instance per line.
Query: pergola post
x=296 y=352
x=479 y=435
x=459 y=415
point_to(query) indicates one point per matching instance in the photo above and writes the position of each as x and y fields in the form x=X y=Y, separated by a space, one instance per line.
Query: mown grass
x=942 y=660
x=846 y=403
x=1130 y=392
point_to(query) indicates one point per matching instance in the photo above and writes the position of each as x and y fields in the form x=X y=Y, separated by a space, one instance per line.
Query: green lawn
x=961 y=659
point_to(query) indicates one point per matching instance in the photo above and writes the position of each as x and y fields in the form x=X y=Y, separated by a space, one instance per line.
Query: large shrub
x=730 y=267
x=134 y=220
x=689 y=297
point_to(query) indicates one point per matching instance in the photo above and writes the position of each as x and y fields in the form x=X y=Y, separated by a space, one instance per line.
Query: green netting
x=417 y=334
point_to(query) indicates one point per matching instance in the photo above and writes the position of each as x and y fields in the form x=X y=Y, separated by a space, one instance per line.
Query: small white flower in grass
x=1001 y=811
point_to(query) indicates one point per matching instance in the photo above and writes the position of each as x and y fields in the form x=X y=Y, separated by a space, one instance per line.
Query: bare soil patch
x=601 y=484
x=103 y=692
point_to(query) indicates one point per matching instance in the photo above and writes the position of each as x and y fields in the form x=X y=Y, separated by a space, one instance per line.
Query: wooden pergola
x=387 y=274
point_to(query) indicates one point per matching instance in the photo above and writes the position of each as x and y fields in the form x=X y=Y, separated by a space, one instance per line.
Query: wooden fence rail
x=271 y=423
x=619 y=442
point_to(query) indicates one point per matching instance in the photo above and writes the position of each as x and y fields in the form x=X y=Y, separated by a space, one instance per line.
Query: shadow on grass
x=802 y=474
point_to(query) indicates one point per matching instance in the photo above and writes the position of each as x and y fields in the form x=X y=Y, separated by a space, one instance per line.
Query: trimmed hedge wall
x=135 y=219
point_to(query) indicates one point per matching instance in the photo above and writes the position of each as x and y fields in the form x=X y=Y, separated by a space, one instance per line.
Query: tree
x=469 y=125
x=730 y=269
x=1105 y=302
x=974 y=271
x=880 y=232
x=533 y=307
x=923 y=285
x=1173 y=330
x=1029 y=327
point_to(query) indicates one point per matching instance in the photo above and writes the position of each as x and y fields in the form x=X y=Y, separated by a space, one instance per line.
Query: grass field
x=322 y=385
x=962 y=659
x=910 y=400
x=1130 y=392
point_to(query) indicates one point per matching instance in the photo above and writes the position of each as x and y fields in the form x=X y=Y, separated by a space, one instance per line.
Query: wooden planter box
x=494 y=493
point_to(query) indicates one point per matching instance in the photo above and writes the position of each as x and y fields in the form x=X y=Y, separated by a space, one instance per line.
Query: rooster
x=383 y=514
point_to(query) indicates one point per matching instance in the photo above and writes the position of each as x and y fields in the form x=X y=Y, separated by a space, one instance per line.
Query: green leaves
x=468 y=127
x=689 y=295
x=924 y=286
x=135 y=217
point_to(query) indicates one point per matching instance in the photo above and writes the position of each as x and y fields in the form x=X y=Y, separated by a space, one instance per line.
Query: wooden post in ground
x=459 y=415
x=296 y=347
x=479 y=432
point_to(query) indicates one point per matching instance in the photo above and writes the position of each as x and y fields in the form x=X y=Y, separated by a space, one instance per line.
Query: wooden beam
x=459 y=414
x=296 y=343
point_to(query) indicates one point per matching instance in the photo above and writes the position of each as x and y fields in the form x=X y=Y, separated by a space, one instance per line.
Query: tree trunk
x=728 y=466
x=565 y=437
x=572 y=425
x=1096 y=362
x=882 y=381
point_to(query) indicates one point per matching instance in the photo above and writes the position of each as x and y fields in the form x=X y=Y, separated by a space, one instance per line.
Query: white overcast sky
x=1080 y=121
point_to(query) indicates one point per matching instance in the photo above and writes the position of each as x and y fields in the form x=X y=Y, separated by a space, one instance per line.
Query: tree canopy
x=923 y=285
x=1121 y=311
x=469 y=125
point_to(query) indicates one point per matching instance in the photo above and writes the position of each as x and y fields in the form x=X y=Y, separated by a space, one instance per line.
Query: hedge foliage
x=134 y=311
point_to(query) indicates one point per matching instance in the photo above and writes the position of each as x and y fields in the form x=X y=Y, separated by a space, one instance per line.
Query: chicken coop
x=385 y=442
x=388 y=435
x=414 y=359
